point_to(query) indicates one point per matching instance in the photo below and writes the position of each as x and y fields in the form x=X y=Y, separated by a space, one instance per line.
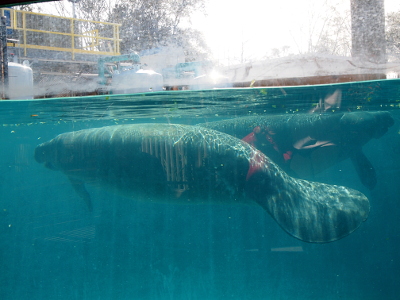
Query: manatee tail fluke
x=310 y=211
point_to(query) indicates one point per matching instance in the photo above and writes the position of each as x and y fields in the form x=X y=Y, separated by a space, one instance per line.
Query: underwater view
x=215 y=194
x=199 y=149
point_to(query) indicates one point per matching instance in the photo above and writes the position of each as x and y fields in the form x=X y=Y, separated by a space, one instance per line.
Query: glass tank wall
x=199 y=150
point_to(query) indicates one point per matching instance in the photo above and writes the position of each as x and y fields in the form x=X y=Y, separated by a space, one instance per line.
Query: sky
x=248 y=30
x=239 y=31
x=250 y=27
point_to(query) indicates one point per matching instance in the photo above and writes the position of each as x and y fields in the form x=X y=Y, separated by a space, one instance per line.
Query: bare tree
x=327 y=30
x=150 y=24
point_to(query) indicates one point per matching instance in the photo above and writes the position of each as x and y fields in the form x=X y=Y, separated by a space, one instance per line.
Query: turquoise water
x=52 y=247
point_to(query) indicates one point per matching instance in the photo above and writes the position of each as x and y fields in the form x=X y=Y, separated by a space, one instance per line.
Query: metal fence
x=29 y=30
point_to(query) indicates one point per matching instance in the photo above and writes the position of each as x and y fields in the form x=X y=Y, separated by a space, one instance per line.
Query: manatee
x=193 y=164
x=306 y=144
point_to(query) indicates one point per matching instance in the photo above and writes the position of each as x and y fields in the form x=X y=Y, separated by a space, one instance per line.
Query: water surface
x=53 y=248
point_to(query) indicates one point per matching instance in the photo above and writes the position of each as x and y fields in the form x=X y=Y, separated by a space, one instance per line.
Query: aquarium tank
x=174 y=149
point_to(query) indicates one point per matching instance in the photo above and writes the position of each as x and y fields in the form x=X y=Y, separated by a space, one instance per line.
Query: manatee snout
x=367 y=124
x=384 y=120
x=43 y=156
x=40 y=153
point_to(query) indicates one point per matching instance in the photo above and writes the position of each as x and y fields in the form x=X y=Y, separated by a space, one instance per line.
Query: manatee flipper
x=80 y=189
x=365 y=169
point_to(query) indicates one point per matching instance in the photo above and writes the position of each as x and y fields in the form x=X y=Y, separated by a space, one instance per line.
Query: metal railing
x=30 y=30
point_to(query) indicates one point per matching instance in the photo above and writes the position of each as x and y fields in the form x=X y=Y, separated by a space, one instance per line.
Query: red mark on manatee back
x=251 y=137
x=287 y=155
x=256 y=162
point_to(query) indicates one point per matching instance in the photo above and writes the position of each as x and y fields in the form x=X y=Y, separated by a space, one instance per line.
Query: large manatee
x=192 y=164
x=306 y=144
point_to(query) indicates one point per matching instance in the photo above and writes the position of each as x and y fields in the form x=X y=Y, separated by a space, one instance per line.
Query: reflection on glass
x=199 y=150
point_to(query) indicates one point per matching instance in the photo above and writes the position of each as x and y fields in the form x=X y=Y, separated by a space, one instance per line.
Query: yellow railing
x=48 y=32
